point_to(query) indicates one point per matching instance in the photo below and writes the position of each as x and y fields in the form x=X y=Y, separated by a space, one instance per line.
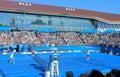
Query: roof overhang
x=59 y=14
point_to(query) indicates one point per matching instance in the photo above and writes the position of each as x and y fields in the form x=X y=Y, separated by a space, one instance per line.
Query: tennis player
x=88 y=55
x=12 y=57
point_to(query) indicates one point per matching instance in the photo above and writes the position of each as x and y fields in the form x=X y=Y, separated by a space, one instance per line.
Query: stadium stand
x=41 y=29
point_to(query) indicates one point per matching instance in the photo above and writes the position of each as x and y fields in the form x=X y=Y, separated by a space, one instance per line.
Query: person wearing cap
x=12 y=57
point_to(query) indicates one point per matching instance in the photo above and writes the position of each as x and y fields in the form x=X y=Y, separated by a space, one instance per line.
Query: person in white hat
x=12 y=57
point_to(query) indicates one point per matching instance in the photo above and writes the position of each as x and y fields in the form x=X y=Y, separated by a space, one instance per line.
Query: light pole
x=68 y=13
x=24 y=8
x=69 y=10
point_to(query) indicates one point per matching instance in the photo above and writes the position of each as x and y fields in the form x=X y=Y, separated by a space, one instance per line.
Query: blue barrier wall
x=28 y=48
x=110 y=49
x=4 y=28
x=23 y=48
x=45 y=30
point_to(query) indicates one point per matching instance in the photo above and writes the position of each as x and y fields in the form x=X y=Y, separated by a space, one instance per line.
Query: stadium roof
x=55 y=10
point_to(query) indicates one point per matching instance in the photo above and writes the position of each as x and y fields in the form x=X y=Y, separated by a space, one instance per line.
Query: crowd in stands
x=90 y=39
x=96 y=73
x=59 y=38
x=50 y=38
x=24 y=37
x=5 y=38
x=97 y=39
x=71 y=38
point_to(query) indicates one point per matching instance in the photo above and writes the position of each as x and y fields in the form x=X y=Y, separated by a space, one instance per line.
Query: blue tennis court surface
x=26 y=66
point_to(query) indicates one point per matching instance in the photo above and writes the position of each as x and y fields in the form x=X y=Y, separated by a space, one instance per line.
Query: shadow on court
x=42 y=69
x=2 y=74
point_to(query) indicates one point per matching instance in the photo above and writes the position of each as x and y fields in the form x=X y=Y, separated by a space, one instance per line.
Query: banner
x=24 y=26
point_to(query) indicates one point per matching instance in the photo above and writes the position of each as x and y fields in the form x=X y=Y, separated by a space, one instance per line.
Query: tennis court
x=27 y=66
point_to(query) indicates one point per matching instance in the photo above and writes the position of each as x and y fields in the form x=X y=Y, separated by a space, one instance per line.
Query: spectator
x=109 y=75
x=113 y=72
x=95 y=73
x=117 y=74
x=69 y=74
x=86 y=74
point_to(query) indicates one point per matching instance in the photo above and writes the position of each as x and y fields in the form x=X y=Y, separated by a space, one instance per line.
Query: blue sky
x=110 y=6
